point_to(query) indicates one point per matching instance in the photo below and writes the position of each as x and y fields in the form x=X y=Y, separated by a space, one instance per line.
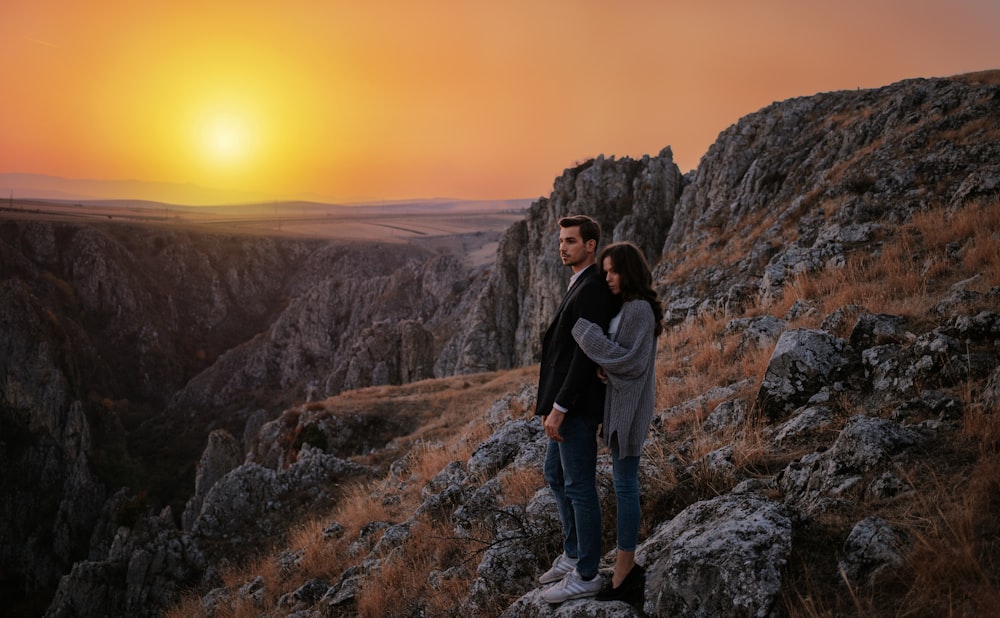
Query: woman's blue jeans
x=570 y=470
x=626 y=477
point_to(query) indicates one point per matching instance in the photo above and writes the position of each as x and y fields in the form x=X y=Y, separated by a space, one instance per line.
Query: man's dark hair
x=590 y=229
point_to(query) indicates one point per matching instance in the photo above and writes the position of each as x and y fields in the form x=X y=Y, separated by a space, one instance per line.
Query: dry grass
x=954 y=560
x=991 y=77
x=698 y=355
x=659 y=453
x=986 y=125
x=950 y=522
x=720 y=249
x=953 y=518
x=518 y=486
x=933 y=252
x=401 y=587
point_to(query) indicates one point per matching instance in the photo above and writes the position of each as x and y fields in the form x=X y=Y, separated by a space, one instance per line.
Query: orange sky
x=389 y=100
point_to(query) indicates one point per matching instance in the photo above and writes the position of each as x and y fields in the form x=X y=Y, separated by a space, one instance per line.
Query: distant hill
x=142 y=194
x=41 y=186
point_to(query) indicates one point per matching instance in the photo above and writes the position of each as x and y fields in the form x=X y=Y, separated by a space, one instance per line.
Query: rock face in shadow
x=114 y=337
x=123 y=346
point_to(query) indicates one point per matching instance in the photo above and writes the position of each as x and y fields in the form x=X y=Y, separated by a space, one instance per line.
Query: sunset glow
x=389 y=100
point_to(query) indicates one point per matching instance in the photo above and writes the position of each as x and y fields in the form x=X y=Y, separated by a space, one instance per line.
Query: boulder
x=872 y=547
x=719 y=557
x=803 y=362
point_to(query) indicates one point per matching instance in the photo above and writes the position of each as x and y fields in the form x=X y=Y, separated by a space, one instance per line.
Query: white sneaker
x=562 y=565
x=573 y=587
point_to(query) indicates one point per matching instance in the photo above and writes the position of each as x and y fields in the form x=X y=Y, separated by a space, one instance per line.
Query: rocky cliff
x=798 y=188
x=116 y=336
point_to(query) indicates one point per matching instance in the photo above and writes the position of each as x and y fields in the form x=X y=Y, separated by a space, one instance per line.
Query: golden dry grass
x=401 y=585
x=913 y=271
x=953 y=516
x=991 y=77
x=518 y=486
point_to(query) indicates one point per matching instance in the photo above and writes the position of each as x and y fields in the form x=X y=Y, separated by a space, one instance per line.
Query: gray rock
x=865 y=446
x=719 y=557
x=728 y=414
x=508 y=563
x=502 y=447
x=802 y=363
x=803 y=422
x=879 y=329
x=531 y=605
x=758 y=332
x=146 y=568
x=221 y=455
x=872 y=548
x=888 y=485
x=240 y=497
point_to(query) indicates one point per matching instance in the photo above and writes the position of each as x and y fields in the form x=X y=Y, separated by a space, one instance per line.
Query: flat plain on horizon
x=471 y=230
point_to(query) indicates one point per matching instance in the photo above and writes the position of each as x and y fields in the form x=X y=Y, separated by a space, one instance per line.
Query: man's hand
x=551 y=423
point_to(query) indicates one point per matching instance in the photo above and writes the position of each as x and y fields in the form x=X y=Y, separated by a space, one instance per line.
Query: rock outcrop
x=631 y=199
x=726 y=554
x=800 y=184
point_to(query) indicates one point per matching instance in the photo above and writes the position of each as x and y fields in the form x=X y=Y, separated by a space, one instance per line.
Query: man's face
x=573 y=250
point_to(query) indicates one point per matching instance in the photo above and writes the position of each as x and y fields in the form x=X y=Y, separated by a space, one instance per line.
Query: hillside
x=869 y=487
x=825 y=440
x=874 y=291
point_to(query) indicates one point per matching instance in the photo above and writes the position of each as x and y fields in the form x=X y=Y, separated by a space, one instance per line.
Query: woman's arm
x=626 y=356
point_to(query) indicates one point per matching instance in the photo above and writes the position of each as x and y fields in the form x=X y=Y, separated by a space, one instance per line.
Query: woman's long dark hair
x=636 y=280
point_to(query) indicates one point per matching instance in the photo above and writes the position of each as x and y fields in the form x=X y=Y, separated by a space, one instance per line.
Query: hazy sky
x=386 y=99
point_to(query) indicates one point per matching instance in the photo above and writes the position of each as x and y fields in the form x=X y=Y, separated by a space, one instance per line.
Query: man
x=571 y=404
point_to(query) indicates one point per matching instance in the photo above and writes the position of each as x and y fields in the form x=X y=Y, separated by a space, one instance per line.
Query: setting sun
x=225 y=139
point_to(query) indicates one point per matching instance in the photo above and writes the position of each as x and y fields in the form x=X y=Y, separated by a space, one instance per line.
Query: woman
x=627 y=357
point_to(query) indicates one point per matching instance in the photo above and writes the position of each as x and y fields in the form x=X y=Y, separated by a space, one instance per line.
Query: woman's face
x=612 y=277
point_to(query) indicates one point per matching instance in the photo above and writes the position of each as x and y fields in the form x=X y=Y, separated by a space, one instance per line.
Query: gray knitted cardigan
x=629 y=362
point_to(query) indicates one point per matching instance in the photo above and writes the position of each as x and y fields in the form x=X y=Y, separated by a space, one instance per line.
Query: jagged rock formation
x=787 y=190
x=790 y=189
x=222 y=454
x=724 y=555
x=632 y=200
x=771 y=200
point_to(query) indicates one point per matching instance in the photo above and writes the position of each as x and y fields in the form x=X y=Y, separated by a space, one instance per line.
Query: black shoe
x=631 y=590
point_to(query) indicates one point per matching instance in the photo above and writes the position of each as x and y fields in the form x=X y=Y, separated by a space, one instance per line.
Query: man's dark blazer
x=566 y=374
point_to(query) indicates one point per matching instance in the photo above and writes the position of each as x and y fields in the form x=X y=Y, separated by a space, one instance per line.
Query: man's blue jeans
x=570 y=470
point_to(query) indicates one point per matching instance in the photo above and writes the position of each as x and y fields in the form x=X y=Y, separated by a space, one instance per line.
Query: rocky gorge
x=132 y=357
